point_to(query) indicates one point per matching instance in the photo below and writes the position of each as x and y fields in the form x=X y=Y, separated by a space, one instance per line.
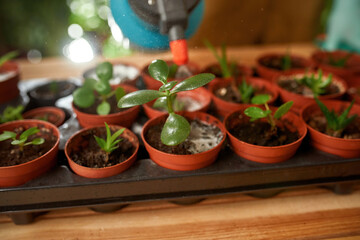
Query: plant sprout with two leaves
x=85 y=96
x=176 y=128
x=335 y=124
x=109 y=144
x=8 y=57
x=257 y=113
x=11 y=113
x=246 y=91
x=22 y=140
x=316 y=83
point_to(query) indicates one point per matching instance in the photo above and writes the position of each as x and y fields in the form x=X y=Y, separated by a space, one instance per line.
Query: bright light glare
x=79 y=50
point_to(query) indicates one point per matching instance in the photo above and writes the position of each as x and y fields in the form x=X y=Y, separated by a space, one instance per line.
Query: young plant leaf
x=29 y=132
x=138 y=98
x=256 y=113
x=89 y=83
x=7 y=135
x=172 y=70
x=260 y=99
x=8 y=57
x=176 y=129
x=193 y=82
x=83 y=97
x=119 y=93
x=18 y=141
x=159 y=70
x=103 y=108
x=104 y=71
x=101 y=142
x=168 y=86
x=160 y=103
x=283 y=109
x=37 y=141
x=103 y=88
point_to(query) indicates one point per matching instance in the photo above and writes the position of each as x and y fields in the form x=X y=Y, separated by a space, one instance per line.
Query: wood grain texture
x=303 y=214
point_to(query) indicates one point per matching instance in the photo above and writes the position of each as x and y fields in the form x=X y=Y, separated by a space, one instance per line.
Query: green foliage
x=109 y=144
x=85 y=97
x=257 y=113
x=161 y=103
x=246 y=91
x=176 y=128
x=286 y=62
x=339 y=62
x=172 y=70
x=316 y=83
x=226 y=68
x=8 y=56
x=22 y=140
x=11 y=113
x=336 y=122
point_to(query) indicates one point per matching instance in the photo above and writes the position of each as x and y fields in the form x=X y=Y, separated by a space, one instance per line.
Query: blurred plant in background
x=78 y=29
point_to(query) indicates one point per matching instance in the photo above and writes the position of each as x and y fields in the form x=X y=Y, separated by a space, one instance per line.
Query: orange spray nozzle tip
x=179 y=51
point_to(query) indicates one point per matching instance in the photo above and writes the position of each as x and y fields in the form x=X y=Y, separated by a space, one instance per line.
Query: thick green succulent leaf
x=103 y=88
x=83 y=97
x=256 y=113
x=283 y=109
x=260 y=99
x=160 y=103
x=172 y=70
x=119 y=93
x=7 y=135
x=37 y=141
x=103 y=108
x=89 y=83
x=117 y=134
x=101 y=142
x=193 y=82
x=168 y=86
x=176 y=129
x=18 y=142
x=104 y=71
x=29 y=132
x=159 y=70
x=138 y=98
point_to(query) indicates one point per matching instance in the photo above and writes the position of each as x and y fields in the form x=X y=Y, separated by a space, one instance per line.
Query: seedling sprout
x=22 y=140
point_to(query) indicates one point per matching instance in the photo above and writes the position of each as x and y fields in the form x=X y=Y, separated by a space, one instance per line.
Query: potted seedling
x=179 y=142
x=225 y=70
x=9 y=77
x=302 y=87
x=265 y=134
x=334 y=127
x=101 y=151
x=11 y=114
x=176 y=73
x=47 y=94
x=341 y=63
x=271 y=65
x=96 y=101
x=28 y=148
x=53 y=115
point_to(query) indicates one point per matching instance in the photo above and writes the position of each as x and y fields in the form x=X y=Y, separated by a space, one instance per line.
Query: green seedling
x=161 y=103
x=286 y=62
x=176 y=128
x=246 y=91
x=339 y=62
x=22 y=140
x=109 y=144
x=336 y=123
x=8 y=57
x=316 y=83
x=11 y=113
x=85 y=96
x=256 y=113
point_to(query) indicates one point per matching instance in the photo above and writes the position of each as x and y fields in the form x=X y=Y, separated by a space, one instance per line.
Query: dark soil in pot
x=260 y=133
x=202 y=138
x=292 y=85
x=276 y=62
x=228 y=93
x=92 y=109
x=318 y=122
x=89 y=154
x=11 y=155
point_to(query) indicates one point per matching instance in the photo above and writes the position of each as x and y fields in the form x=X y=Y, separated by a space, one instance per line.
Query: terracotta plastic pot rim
x=102 y=126
x=47 y=109
x=258 y=146
x=20 y=123
x=222 y=129
x=107 y=115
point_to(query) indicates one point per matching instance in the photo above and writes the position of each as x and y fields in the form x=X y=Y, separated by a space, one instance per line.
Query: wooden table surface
x=308 y=213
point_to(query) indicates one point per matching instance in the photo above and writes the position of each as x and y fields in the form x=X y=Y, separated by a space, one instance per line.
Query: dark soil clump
x=89 y=154
x=11 y=155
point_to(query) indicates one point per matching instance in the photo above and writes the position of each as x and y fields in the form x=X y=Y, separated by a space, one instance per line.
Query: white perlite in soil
x=204 y=137
x=6 y=75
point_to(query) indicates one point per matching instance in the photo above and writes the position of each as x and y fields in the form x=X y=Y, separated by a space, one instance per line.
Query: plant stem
x=169 y=102
x=107 y=157
x=271 y=118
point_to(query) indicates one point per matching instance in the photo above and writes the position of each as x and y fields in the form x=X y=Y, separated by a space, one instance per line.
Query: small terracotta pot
x=9 y=88
x=76 y=140
x=151 y=83
x=348 y=73
x=300 y=100
x=270 y=73
x=124 y=118
x=242 y=72
x=265 y=154
x=224 y=107
x=346 y=148
x=120 y=71
x=200 y=95
x=22 y=173
x=56 y=115
x=354 y=90
x=184 y=162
